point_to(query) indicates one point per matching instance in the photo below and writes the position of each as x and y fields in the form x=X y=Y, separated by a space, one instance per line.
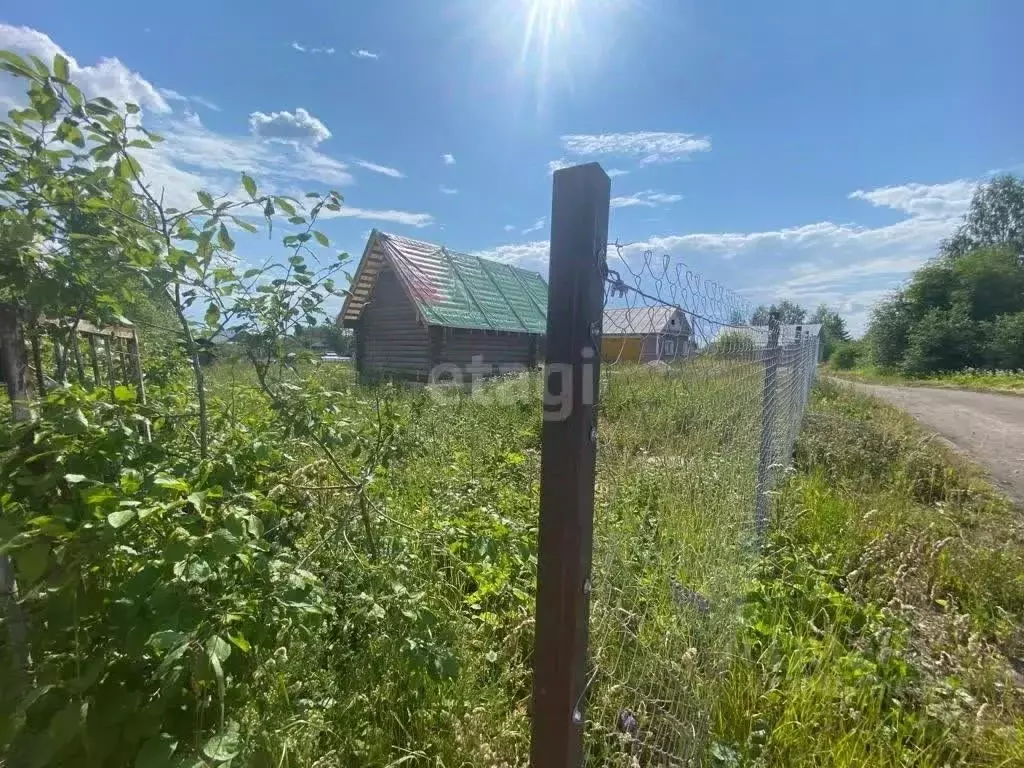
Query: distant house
x=416 y=306
x=644 y=334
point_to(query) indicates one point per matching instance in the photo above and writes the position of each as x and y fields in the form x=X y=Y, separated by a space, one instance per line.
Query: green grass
x=885 y=624
x=877 y=629
x=1009 y=382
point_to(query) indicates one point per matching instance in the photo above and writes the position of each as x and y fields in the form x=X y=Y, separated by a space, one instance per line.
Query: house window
x=668 y=347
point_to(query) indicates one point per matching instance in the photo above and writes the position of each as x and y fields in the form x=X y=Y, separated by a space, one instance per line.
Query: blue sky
x=809 y=150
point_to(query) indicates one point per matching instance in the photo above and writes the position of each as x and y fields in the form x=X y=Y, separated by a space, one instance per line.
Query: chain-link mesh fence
x=698 y=414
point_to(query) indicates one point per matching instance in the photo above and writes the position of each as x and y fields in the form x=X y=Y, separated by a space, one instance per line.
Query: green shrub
x=944 y=340
x=1005 y=349
x=846 y=355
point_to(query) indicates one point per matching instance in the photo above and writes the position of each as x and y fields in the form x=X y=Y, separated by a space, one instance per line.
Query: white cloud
x=509 y=227
x=447 y=190
x=557 y=165
x=307 y=49
x=648 y=146
x=931 y=200
x=407 y=218
x=448 y=158
x=172 y=95
x=297 y=126
x=381 y=169
x=613 y=172
x=847 y=265
x=648 y=198
x=362 y=53
x=109 y=77
x=536 y=226
x=192 y=156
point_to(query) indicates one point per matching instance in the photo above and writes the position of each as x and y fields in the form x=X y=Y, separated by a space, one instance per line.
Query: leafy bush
x=733 y=343
x=944 y=340
x=1005 y=348
x=847 y=355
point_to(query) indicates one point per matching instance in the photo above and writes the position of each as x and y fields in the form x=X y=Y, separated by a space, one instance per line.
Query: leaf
x=171 y=483
x=193 y=569
x=218 y=647
x=239 y=641
x=249 y=184
x=321 y=238
x=285 y=205
x=205 y=198
x=14 y=60
x=31 y=562
x=212 y=316
x=121 y=518
x=61 y=70
x=157 y=752
x=66 y=724
x=124 y=393
x=225 y=745
x=166 y=639
x=224 y=239
x=73 y=479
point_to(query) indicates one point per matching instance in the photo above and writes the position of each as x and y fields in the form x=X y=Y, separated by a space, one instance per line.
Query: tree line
x=965 y=307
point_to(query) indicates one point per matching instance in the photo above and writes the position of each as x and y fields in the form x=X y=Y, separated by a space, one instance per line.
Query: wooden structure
x=422 y=312
x=645 y=334
x=111 y=356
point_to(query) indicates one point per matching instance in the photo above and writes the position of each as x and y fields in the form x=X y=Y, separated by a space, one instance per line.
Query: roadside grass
x=1007 y=382
x=885 y=624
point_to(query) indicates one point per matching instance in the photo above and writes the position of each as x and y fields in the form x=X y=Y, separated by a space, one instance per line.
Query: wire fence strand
x=699 y=412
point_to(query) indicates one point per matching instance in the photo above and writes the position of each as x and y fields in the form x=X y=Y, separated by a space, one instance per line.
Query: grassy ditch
x=1006 y=382
x=885 y=624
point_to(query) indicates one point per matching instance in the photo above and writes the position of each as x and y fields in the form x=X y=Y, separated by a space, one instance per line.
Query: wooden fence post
x=37 y=361
x=764 y=457
x=76 y=354
x=140 y=382
x=14 y=362
x=14 y=359
x=94 y=360
x=579 y=234
x=108 y=348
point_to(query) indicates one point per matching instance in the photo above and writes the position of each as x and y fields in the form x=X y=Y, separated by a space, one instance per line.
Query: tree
x=833 y=329
x=788 y=312
x=944 y=340
x=888 y=330
x=996 y=217
x=1005 y=344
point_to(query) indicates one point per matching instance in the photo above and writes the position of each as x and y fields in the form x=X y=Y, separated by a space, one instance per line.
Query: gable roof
x=644 y=321
x=451 y=289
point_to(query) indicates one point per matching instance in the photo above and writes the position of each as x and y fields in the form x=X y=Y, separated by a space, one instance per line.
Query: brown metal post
x=764 y=458
x=579 y=234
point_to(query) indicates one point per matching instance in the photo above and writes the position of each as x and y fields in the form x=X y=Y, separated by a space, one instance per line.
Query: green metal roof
x=457 y=290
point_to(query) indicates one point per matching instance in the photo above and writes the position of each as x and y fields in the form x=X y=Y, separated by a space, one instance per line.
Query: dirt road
x=987 y=427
